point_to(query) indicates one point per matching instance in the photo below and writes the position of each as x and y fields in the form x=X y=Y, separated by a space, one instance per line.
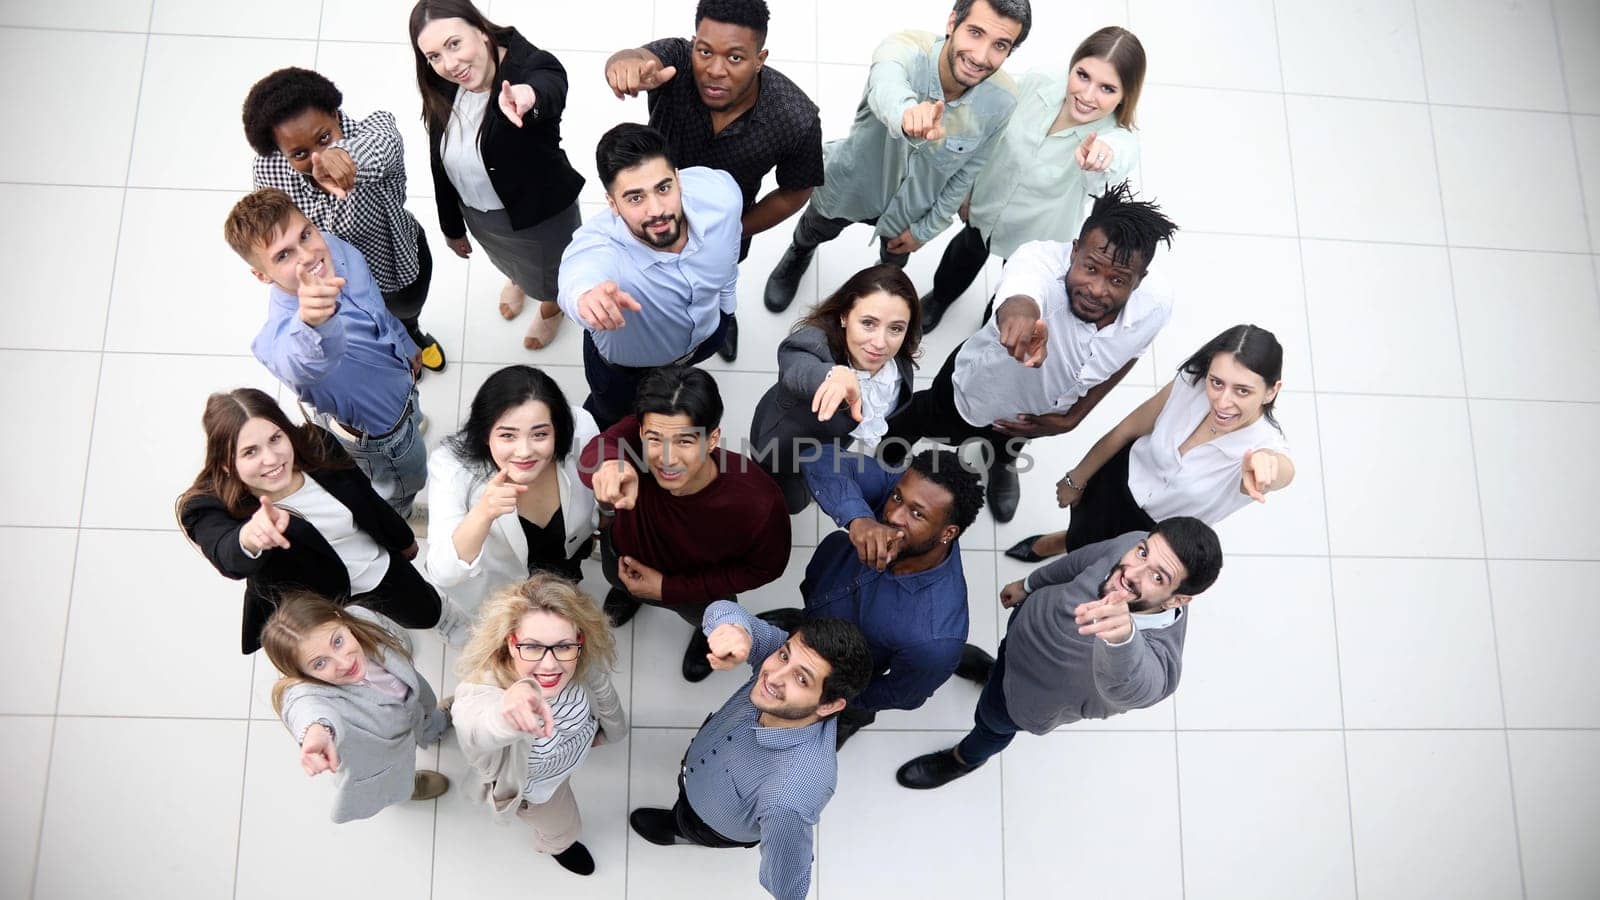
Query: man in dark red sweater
x=705 y=525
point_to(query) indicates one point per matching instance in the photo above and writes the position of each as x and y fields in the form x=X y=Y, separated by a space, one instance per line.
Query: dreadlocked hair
x=1130 y=226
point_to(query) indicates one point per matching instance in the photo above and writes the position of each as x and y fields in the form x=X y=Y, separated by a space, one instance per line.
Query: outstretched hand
x=601 y=306
x=317 y=752
x=335 y=171
x=516 y=100
x=925 y=121
x=628 y=77
x=730 y=646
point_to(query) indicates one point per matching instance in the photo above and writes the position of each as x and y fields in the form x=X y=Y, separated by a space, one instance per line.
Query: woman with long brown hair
x=845 y=368
x=279 y=505
x=535 y=696
x=492 y=103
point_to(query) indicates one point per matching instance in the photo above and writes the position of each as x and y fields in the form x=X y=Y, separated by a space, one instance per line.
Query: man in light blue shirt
x=761 y=769
x=653 y=280
x=926 y=125
x=331 y=339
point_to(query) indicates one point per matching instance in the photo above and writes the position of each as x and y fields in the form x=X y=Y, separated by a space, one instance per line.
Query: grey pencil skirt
x=530 y=256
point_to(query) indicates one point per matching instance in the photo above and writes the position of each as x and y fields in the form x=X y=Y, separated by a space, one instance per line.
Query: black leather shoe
x=788 y=618
x=695 y=665
x=620 y=607
x=576 y=859
x=658 y=826
x=932 y=311
x=785 y=278
x=1023 y=550
x=976 y=664
x=1003 y=491
x=729 y=351
x=931 y=770
x=850 y=721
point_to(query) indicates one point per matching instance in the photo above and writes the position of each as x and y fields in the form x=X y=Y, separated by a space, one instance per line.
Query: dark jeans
x=992 y=728
x=815 y=228
x=406 y=303
x=932 y=414
x=403 y=595
x=694 y=828
x=963 y=259
x=1107 y=508
x=611 y=387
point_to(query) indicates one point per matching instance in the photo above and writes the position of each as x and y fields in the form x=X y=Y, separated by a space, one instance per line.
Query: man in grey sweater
x=1095 y=633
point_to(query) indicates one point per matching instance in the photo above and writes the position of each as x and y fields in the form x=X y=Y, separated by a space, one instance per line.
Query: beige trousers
x=556 y=823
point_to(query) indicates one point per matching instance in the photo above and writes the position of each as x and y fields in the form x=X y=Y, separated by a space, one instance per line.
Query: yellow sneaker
x=432 y=354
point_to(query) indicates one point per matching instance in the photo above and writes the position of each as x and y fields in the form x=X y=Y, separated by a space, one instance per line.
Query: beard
x=660 y=241
x=1137 y=604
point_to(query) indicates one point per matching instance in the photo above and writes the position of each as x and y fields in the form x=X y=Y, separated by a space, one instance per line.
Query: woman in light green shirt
x=1070 y=136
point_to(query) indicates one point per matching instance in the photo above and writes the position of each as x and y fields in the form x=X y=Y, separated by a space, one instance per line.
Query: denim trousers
x=396 y=464
x=992 y=728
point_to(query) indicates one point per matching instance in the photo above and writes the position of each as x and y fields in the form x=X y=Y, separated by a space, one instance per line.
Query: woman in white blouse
x=504 y=497
x=535 y=696
x=1204 y=446
x=1071 y=136
x=845 y=368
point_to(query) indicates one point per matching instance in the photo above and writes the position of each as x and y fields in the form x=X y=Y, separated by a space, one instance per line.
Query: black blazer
x=784 y=412
x=310 y=562
x=527 y=166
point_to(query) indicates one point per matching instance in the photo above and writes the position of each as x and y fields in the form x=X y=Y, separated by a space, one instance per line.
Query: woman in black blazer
x=845 y=368
x=280 y=505
x=492 y=103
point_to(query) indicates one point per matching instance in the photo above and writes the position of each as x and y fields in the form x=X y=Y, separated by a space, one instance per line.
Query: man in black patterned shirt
x=348 y=178
x=734 y=113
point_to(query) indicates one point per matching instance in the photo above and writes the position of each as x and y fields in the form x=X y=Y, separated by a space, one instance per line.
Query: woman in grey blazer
x=354 y=701
x=845 y=368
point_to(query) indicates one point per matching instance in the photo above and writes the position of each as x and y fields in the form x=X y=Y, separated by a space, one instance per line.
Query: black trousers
x=695 y=829
x=815 y=228
x=932 y=414
x=403 y=595
x=964 y=257
x=406 y=304
x=612 y=387
x=693 y=613
x=1107 y=508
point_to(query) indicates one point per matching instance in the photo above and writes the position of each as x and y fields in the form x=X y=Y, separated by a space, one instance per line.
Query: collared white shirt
x=463 y=158
x=1032 y=188
x=1204 y=482
x=990 y=385
x=878 y=393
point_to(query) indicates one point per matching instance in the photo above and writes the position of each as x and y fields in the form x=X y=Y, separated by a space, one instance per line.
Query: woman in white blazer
x=504 y=499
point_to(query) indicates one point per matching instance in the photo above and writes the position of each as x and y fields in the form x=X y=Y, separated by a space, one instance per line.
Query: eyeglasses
x=564 y=652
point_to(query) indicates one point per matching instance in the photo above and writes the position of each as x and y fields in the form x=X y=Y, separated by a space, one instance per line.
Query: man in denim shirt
x=895 y=572
x=927 y=122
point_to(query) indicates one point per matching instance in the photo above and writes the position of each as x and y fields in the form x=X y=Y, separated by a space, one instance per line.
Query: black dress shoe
x=576 y=859
x=658 y=826
x=788 y=618
x=931 y=770
x=1003 y=491
x=620 y=607
x=695 y=665
x=785 y=278
x=976 y=664
x=1023 y=550
x=729 y=351
x=932 y=311
x=849 y=721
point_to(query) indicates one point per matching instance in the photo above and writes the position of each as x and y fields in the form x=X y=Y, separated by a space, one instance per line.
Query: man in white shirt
x=1072 y=320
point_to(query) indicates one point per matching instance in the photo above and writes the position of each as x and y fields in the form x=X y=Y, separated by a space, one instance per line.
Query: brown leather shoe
x=429 y=785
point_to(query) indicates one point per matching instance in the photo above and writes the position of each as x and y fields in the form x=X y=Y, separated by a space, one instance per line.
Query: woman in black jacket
x=844 y=369
x=280 y=505
x=492 y=104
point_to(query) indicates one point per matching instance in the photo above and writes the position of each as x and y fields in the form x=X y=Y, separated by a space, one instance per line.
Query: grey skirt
x=531 y=256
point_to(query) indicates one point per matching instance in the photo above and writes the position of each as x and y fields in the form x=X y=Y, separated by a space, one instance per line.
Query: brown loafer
x=429 y=785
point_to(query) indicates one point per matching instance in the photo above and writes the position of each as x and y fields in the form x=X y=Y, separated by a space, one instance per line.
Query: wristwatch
x=1070 y=483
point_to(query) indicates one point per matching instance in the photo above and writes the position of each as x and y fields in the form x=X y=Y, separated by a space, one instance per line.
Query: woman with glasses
x=535 y=696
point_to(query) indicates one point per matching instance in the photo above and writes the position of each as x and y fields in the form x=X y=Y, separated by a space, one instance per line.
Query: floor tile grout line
x=1327 y=522
x=1472 y=449
x=83 y=498
x=1572 y=130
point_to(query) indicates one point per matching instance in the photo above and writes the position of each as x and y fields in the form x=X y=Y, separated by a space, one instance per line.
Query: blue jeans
x=397 y=465
x=992 y=729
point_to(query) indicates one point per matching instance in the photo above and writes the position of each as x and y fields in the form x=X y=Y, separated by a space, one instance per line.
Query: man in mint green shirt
x=928 y=120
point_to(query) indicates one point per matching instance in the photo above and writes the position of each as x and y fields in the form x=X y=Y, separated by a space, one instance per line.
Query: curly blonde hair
x=487 y=660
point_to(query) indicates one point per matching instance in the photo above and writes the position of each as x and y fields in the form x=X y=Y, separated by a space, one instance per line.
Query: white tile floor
x=1377 y=700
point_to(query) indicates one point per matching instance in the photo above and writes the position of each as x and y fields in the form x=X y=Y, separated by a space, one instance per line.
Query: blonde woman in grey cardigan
x=354 y=702
x=535 y=696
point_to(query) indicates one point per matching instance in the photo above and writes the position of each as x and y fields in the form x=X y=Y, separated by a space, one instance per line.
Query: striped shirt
x=751 y=783
x=552 y=759
x=373 y=216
